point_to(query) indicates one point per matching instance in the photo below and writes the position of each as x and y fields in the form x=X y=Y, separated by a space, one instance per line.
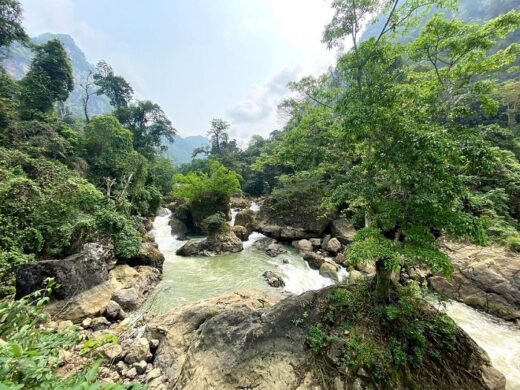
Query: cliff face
x=16 y=60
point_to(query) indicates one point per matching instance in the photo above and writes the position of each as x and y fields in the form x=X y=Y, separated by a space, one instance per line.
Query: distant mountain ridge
x=17 y=58
x=180 y=151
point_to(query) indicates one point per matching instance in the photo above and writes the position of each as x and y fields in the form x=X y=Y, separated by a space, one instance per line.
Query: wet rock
x=241 y=232
x=340 y=259
x=303 y=245
x=221 y=240
x=343 y=230
x=246 y=218
x=333 y=246
x=137 y=351
x=273 y=279
x=315 y=260
x=329 y=270
x=239 y=202
x=274 y=250
x=114 y=312
x=263 y=243
x=148 y=255
x=179 y=228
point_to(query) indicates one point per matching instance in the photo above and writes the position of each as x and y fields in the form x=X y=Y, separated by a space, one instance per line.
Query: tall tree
x=11 y=29
x=89 y=89
x=149 y=125
x=49 y=79
x=116 y=88
x=401 y=119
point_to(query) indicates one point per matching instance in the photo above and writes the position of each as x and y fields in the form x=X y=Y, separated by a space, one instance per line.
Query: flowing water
x=189 y=279
x=499 y=339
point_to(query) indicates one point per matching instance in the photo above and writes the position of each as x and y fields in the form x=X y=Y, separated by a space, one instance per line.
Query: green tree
x=149 y=126
x=116 y=88
x=401 y=119
x=49 y=79
x=11 y=29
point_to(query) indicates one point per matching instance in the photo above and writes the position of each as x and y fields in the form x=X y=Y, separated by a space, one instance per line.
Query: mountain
x=17 y=58
x=179 y=152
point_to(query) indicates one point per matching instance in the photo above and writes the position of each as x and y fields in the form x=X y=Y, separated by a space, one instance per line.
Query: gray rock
x=154 y=373
x=241 y=232
x=263 y=243
x=128 y=298
x=315 y=260
x=343 y=230
x=274 y=250
x=148 y=255
x=333 y=246
x=316 y=242
x=138 y=350
x=86 y=323
x=112 y=352
x=114 y=312
x=273 y=279
x=179 y=228
x=74 y=274
x=303 y=245
x=131 y=373
x=99 y=323
x=140 y=367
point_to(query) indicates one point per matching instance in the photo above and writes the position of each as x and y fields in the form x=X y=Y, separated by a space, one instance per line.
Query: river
x=189 y=279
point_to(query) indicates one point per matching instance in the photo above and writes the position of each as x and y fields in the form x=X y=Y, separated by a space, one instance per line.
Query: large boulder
x=241 y=232
x=333 y=246
x=179 y=228
x=246 y=340
x=486 y=278
x=246 y=218
x=74 y=274
x=148 y=255
x=221 y=240
x=314 y=259
x=131 y=286
x=300 y=218
x=343 y=230
x=303 y=245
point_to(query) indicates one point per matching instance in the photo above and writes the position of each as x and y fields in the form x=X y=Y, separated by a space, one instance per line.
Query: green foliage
x=92 y=344
x=11 y=29
x=200 y=187
x=116 y=88
x=49 y=79
x=387 y=340
x=29 y=354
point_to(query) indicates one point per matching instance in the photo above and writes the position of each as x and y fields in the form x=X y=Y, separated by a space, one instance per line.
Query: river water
x=189 y=279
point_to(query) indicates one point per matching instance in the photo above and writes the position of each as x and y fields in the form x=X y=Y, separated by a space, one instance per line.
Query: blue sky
x=198 y=59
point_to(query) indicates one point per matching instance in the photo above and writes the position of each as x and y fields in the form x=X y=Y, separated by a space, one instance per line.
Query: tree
x=116 y=88
x=218 y=135
x=149 y=126
x=88 y=91
x=400 y=117
x=49 y=79
x=11 y=29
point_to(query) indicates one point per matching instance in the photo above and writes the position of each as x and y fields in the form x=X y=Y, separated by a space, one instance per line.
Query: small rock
x=140 y=367
x=333 y=246
x=325 y=241
x=155 y=373
x=366 y=268
x=354 y=274
x=274 y=250
x=113 y=311
x=154 y=344
x=99 y=323
x=273 y=279
x=316 y=242
x=139 y=350
x=340 y=259
x=121 y=366
x=61 y=325
x=112 y=352
x=86 y=323
x=130 y=373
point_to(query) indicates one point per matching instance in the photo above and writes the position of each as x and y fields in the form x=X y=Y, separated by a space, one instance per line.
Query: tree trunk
x=383 y=282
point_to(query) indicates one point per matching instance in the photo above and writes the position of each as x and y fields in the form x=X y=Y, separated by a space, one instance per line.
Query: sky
x=199 y=59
